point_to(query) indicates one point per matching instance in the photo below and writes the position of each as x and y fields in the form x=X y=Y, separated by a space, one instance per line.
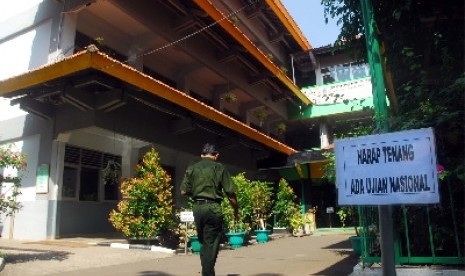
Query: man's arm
x=233 y=201
x=186 y=184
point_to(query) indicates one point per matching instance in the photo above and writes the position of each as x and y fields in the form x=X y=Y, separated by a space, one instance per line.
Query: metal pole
x=380 y=108
x=185 y=241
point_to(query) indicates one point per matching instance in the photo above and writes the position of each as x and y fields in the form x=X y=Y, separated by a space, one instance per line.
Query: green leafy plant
x=261 y=114
x=255 y=203
x=281 y=128
x=111 y=173
x=234 y=19
x=285 y=204
x=9 y=157
x=284 y=69
x=147 y=206
x=262 y=203
x=229 y=97
x=245 y=208
x=344 y=213
x=297 y=221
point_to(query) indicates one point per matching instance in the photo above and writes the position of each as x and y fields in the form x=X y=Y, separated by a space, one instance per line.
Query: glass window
x=111 y=191
x=343 y=72
x=89 y=184
x=358 y=71
x=70 y=180
x=83 y=176
x=329 y=75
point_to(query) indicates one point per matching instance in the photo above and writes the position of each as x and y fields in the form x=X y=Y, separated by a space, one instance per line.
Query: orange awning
x=101 y=62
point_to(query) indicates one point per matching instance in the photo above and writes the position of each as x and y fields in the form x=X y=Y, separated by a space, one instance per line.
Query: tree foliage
x=286 y=204
x=10 y=157
x=147 y=205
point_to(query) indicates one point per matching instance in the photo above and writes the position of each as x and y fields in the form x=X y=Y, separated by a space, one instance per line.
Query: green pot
x=195 y=244
x=236 y=239
x=356 y=243
x=263 y=235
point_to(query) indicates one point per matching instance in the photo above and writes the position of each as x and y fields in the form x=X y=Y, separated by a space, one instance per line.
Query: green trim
x=314 y=111
x=420 y=260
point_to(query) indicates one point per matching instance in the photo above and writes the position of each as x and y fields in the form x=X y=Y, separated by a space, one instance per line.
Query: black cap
x=209 y=149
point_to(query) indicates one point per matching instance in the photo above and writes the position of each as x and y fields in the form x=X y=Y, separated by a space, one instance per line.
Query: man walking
x=206 y=181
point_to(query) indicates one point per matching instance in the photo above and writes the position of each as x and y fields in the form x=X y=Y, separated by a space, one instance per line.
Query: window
x=83 y=178
x=329 y=75
x=70 y=180
x=359 y=71
x=344 y=72
x=89 y=184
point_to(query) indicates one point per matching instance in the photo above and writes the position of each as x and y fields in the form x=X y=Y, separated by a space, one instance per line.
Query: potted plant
x=281 y=128
x=147 y=205
x=309 y=218
x=111 y=173
x=236 y=234
x=262 y=203
x=297 y=223
x=261 y=115
x=237 y=230
x=285 y=205
x=230 y=97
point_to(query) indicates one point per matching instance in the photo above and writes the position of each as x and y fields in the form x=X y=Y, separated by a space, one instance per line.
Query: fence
x=422 y=234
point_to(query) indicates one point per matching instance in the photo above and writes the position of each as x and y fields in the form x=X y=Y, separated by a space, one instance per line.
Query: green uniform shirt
x=207 y=179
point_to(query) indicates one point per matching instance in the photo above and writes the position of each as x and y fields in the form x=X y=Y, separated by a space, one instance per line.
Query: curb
x=2 y=264
x=153 y=248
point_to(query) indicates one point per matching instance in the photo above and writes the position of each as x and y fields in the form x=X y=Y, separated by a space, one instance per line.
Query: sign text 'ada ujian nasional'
x=391 y=168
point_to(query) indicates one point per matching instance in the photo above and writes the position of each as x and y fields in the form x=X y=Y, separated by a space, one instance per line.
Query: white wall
x=25 y=44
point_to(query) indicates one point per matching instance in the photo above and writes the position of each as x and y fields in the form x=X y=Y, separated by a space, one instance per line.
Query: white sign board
x=187 y=216
x=391 y=168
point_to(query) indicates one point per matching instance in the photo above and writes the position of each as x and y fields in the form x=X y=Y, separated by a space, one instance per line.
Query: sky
x=309 y=16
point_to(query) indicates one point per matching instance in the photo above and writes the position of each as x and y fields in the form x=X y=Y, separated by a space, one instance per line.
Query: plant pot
x=236 y=239
x=307 y=229
x=195 y=244
x=356 y=243
x=263 y=235
x=299 y=232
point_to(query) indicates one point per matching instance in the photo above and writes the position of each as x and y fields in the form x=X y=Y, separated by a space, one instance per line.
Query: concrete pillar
x=324 y=135
x=130 y=155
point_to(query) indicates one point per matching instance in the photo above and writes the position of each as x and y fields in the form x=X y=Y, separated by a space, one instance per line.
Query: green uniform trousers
x=209 y=223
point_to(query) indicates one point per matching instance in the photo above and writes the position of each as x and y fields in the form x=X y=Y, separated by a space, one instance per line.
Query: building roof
x=242 y=39
x=92 y=59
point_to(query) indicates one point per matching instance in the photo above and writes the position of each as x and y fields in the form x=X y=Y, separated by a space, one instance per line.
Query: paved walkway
x=326 y=253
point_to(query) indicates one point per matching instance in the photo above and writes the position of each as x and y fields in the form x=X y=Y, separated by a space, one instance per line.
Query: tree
x=146 y=209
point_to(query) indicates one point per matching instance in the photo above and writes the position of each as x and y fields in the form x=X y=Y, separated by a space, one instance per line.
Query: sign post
x=186 y=216
x=380 y=107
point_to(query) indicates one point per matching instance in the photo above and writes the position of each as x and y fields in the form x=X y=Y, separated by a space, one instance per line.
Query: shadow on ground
x=21 y=255
x=340 y=245
x=343 y=267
